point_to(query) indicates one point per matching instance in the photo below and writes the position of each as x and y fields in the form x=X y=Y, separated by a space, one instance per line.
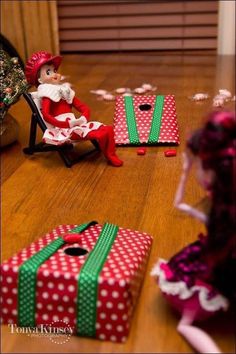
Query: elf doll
x=57 y=101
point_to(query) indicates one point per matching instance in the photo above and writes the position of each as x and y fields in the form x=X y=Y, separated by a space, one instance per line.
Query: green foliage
x=12 y=82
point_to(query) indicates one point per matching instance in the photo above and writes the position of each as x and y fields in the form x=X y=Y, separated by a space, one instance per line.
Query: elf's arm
x=45 y=104
x=81 y=107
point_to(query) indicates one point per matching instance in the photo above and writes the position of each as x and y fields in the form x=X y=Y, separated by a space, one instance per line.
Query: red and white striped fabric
x=59 y=136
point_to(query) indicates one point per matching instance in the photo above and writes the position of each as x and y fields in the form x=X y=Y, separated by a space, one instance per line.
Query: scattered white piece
x=127 y=94
x=147 y=87
x=99 y=92
x=219 y=100
x=199 y=97
x=139 y=90
x=222 y=97
x=234 y=98
x=125 y=91
x=122 y=90
x=108 y=97
x=225 y=93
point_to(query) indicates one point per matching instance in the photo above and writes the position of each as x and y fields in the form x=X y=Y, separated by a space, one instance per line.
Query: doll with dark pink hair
x=199 y=281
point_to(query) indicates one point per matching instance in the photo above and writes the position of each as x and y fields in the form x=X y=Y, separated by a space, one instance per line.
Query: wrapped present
x=145 y=120
x=86 y=277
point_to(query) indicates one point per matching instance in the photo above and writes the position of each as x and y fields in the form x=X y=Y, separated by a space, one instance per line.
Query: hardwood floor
x=39 y=192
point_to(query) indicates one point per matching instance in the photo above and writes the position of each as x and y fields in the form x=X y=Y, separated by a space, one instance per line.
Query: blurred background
x=77 y=26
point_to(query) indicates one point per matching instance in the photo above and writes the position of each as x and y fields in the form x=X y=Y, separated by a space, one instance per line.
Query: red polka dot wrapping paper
x=169 y=132
x=119 y=281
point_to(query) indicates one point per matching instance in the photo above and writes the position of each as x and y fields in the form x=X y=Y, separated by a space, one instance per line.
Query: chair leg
x=33 y=130
x=67 y=161
x=95 y=143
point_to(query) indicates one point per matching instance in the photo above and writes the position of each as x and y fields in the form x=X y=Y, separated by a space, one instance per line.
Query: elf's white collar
x=56 y=92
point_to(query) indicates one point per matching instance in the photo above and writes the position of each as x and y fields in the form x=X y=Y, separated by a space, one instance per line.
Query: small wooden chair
x=65 y=151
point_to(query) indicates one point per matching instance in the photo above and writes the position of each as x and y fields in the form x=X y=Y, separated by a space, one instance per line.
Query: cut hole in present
x=145 y=107
x=75 y=251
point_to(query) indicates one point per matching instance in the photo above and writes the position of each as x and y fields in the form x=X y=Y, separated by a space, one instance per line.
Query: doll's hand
x=191 y=211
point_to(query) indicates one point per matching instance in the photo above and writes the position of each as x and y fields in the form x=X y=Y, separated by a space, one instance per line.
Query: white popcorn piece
x=122 y=90
x=219 y=100
x=108 y=97
x=99 y=92
x=147 y=87
x=199 y=97
x=139 y=90
x=225 y=93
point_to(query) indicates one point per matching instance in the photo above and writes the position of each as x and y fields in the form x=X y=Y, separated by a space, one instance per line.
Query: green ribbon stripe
x=156 y=120
x=130 y=120
x=88 y=281
x=27 y=279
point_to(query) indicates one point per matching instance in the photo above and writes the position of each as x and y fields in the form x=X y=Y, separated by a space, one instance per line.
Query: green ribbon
x=130 y=119
x=27 y=278
x=88 y=281
x=156 y=120
x=155 y=125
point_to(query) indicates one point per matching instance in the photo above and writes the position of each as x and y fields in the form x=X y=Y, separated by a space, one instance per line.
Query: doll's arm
x=187 y=165
x=81 y=107
x=195 y=336
x=45 y=104
x=179 y=196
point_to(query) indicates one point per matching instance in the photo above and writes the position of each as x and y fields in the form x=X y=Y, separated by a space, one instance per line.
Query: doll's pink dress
x=182 y=281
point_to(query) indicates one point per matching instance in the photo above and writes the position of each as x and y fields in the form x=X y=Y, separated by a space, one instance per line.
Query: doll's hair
x=215 y=144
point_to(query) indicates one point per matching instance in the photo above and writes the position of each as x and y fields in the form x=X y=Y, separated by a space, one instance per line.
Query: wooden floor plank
x=39 y=192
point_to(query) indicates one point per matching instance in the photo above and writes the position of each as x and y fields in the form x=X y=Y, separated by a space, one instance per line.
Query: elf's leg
x=111 y=147
x=105 y=138
x=195 y=336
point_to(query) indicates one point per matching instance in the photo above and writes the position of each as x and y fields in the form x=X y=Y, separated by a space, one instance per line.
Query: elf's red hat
x=35 y=62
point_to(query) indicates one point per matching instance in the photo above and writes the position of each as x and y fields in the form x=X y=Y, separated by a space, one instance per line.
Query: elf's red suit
x=57 y=101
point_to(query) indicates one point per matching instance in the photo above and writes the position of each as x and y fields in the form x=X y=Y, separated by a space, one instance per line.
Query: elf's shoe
x=114 y=160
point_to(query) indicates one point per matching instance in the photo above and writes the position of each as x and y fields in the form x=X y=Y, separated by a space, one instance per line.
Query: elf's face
x=49 y=75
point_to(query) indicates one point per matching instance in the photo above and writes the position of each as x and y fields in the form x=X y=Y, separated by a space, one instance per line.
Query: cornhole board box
x=152 y=117
x=57 y=289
